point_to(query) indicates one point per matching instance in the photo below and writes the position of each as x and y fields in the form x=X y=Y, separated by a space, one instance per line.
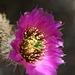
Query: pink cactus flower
x=37 y=43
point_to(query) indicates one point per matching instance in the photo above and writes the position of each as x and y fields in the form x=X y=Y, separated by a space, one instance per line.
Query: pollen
x=32 y=45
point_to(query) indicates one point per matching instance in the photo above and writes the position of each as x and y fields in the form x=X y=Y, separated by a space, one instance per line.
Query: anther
x=24 y=56
x=25 y=33
x=22 y=47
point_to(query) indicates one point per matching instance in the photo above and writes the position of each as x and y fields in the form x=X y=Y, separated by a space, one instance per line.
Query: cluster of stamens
x=32 y=45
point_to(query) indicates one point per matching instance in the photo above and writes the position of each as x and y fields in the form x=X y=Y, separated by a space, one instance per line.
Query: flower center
x=32 y=45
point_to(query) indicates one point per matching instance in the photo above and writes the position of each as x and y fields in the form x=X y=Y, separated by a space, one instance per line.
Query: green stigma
x=38 y=45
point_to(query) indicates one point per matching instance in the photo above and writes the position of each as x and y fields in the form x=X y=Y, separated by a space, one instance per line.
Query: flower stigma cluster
x=32 y=45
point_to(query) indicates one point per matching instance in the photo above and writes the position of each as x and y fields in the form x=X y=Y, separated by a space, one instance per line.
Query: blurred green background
x=63 y=10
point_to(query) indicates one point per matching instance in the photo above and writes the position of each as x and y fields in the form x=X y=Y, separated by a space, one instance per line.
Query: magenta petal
x=15 y=44
x=12 y=54
x=15 y=56
x=45 y=68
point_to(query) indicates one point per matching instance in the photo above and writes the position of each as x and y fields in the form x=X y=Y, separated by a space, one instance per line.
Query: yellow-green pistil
x=38 y=45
